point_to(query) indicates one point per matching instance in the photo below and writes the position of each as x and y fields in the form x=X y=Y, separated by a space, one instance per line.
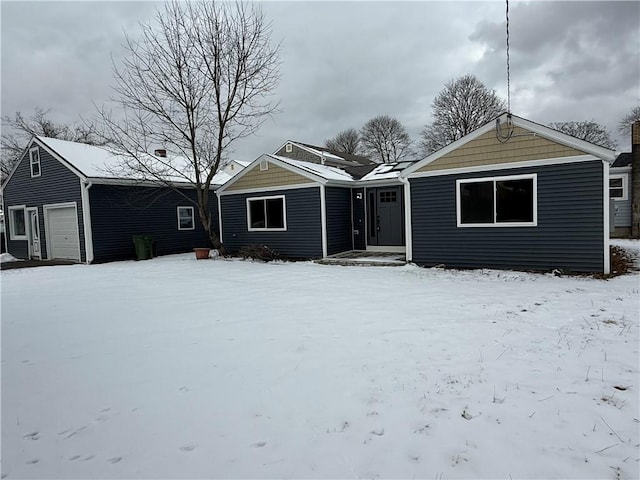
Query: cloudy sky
x=346 y=62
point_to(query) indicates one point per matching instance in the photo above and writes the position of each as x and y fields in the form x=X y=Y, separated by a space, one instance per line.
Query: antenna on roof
x=508 y=70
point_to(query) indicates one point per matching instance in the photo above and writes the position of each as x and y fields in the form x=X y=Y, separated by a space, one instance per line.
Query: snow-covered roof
x=324 y=171
x=98 y=162
x=386 y=171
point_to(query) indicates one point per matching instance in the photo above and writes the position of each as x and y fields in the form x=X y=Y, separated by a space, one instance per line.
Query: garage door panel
x=63 y=238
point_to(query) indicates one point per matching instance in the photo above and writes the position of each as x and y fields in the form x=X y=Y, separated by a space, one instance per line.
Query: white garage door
x=62 y=232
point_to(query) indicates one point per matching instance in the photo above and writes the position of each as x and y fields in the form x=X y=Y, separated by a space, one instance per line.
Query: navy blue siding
x=119 y=212
x=569 y=234
x=359 y=224
x=339 y=232
x=303 y=237
x=56 y=184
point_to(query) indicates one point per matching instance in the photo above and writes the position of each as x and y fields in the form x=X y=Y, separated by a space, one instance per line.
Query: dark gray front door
x=385 y=216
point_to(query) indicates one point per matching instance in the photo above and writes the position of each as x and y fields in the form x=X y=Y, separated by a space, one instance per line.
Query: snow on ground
x=7 y=257
x=177 y=368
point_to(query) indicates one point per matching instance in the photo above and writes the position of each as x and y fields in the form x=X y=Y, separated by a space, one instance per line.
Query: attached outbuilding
x=620 y=193
x=299 y=209
x=513 y=195
x=63 y=201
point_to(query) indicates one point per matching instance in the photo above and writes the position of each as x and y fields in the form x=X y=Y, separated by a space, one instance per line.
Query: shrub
x=258 y=252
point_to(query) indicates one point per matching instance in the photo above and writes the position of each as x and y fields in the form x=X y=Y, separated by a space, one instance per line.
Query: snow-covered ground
x=177 y=368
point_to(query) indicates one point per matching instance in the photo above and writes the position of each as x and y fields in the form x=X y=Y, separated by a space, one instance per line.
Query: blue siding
x=339 y=231
x=623 y=207
x=119 y=212
x=56 y=184
x=359 y=224
x=569 y=235
x=303 y=237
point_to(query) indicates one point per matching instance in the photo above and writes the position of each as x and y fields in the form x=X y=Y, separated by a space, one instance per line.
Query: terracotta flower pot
x=202 y=253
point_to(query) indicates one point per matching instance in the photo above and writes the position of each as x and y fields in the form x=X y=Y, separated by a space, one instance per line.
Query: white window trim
x=265 y=229
x=288 y=148
x=35 y=150
x=625 y=185
x=12 y=227
x=264 y=165
x=193 y=218
x=534 y=223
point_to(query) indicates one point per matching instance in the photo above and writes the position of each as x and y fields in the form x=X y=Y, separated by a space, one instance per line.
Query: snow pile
x=174 y=368
x=7 y=257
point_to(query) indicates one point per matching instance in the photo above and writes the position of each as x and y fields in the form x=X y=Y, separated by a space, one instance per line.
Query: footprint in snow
x=33 y=461
x=259 y=444
x=188 y=448
x=114 y=459
x=32 y=436
x=75 y=457
x=378 y=431
x=87 y=458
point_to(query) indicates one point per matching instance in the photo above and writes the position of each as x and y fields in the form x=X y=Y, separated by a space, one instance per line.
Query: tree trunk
x=205 y=219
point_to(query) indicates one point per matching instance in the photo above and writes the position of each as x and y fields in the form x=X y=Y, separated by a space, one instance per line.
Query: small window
x=288 y=148
x=499 y=201
x=388 y=197
x=34 y=158
x=17 y=223
x=186 y=219
x=618 y=187
x=266 y=213
x=264 y=165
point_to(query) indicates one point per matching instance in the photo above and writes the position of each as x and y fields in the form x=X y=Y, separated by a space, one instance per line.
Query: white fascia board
x=506 y=166
x=294 y=169
x=60 y=158
x=275 y=188
x=619 y=170
x=378 y=183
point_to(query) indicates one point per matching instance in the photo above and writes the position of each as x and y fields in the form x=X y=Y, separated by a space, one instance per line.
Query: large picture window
x=34 y=160
x=266 y=214
x=186 y=219
x=497 y=201
x=17 y=223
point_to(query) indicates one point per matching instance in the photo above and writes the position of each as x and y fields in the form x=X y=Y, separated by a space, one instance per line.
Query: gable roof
x=623 y=160
x=536 y=128
x=340 y=157
x=100 y=164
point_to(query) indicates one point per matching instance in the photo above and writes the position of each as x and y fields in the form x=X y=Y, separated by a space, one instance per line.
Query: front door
x=34 y=234
x=385 y=216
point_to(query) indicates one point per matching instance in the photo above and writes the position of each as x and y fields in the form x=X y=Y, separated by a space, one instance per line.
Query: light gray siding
x=56 y=184
x=623 y=207
x=303 y=237
x=339 y=232
x=569 y=234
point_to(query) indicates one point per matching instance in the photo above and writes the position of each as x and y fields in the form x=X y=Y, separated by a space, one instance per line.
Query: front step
x=365 y=258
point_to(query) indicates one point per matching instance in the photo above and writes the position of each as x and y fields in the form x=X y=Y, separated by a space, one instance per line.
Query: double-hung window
x=17 y=223
x=186 y=220
x=618 y=187
x=509 y=201
x=34 y=160
x=266 y=214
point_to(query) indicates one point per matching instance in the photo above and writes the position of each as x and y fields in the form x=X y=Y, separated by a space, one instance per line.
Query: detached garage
x=62 y=201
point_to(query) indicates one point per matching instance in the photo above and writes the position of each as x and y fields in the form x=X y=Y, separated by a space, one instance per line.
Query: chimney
x=161 y=152
x=635 y=179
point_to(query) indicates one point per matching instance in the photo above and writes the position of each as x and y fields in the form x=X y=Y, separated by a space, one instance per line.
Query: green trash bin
x=144 y=247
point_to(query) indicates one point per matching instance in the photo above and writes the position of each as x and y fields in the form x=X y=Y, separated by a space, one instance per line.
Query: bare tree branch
x=347 y=141
x=200 y=77
x=460 y=108
x=624 y=126
x=589 y=131
x=385 y=139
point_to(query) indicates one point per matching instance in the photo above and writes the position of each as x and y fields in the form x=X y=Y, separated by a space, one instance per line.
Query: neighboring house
x=321 y=155
x=620 y=193
x=62 y=201
x=513 y=194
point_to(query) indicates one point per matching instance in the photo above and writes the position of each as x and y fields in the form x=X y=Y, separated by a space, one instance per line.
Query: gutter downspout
x=86 y=220
x=606 y=205
x=408 y=237
x=323 y=219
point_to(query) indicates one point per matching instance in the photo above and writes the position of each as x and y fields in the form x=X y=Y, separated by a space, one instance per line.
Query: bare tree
x=385 y=139
x=199 y=78
x=464 y=105
x=18 y=130
x=347 y=141
x=589 y=131
x=624 y=127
